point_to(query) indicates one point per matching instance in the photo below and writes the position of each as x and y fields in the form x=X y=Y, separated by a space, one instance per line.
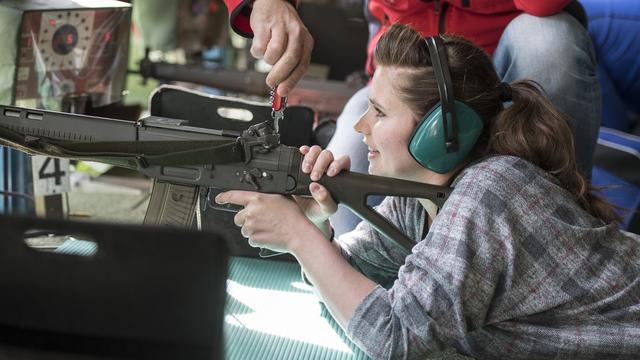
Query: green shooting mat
x=272 y=314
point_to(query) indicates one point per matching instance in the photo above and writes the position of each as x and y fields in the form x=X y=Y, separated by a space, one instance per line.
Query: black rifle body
x=185 y=160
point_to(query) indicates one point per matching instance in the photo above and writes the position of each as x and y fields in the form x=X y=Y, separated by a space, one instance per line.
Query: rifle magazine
x=172 y=205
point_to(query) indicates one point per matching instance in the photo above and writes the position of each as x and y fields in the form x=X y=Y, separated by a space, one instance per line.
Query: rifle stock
x=348 y=188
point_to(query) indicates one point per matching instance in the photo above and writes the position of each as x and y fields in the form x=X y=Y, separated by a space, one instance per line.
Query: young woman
x=521 y=262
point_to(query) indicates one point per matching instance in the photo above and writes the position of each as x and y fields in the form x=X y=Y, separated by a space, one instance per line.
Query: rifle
x=184 y=160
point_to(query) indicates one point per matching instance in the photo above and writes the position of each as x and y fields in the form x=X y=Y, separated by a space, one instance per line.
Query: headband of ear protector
x=441 y=145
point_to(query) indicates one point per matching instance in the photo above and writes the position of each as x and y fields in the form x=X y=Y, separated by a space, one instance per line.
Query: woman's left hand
x=268 y=220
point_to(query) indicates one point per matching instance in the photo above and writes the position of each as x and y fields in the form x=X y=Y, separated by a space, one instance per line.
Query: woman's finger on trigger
x=239 y=218
x=322 y=196
x=310 y=158
x=322 y=163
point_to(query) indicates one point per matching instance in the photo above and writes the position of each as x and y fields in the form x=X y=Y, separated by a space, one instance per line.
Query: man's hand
x=282 y=40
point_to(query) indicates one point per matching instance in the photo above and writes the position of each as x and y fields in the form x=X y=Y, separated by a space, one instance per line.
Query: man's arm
x=279 y=37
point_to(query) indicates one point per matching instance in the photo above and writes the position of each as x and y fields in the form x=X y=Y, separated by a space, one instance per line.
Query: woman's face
x=387 y=126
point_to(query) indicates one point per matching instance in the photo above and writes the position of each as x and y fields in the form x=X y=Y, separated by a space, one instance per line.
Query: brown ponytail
x=531 y=128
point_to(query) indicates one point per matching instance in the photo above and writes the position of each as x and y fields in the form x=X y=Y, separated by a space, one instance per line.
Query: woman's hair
x=531 y=128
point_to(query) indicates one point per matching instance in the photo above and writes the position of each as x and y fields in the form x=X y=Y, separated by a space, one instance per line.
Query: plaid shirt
x=511 y=268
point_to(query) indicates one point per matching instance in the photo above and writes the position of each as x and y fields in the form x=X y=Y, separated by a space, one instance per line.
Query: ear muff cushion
x=427 y=142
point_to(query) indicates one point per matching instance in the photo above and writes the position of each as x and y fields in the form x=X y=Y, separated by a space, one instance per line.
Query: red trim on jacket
x=238 y=16
x=239 y=13
x=541 y=8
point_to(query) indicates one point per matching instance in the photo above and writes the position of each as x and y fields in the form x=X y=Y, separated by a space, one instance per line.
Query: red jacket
x=481 y=21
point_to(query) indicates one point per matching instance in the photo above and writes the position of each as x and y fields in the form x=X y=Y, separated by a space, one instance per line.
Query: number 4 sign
x=50 y=175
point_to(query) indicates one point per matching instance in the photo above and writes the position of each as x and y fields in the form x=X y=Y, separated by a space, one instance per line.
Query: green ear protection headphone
x=460 y=126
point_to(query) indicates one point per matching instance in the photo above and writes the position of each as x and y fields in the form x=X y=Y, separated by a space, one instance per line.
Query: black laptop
x=126 y=292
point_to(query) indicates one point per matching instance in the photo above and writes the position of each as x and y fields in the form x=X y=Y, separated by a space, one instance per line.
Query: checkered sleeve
x=374 y=255
x=512 y=267
x=443 y=290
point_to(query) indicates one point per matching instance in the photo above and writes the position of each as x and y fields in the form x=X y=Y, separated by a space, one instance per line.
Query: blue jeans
x=614 y=27
x=555 y=51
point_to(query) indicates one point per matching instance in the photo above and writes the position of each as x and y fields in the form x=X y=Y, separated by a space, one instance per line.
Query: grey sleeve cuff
x=362 y=328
